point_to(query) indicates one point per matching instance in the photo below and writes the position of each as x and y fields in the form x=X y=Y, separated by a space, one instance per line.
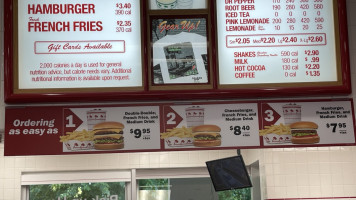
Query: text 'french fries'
x=280 y=129
x=183 y=132
x=83 y=135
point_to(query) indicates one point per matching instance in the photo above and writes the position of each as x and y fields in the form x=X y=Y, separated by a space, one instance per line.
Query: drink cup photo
x=194 y=116
x=292 y=113
x=95 y=116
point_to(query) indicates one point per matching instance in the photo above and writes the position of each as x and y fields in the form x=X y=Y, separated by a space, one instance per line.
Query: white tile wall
x=295 y=175
x=286 y=173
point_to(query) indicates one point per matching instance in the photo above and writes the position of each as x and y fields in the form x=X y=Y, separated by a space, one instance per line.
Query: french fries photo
x=280 y=129
x=182 y=132
x=83 y=135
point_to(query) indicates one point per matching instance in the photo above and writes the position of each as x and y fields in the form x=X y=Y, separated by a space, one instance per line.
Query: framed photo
x=179 y=49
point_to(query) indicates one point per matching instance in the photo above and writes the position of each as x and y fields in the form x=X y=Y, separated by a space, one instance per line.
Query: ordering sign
x=276 y=41
x=58 y=130
x=79 y=44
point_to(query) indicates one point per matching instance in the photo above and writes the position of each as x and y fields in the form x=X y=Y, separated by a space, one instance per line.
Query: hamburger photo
x=304 y=132
x=108 y=135
x=206 y=136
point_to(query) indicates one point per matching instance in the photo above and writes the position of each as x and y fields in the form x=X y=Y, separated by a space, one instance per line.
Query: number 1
x=70 y=122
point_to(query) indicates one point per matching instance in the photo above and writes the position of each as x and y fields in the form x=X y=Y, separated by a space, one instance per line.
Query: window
x=186 y=188
x=175 y=184
x=135 y=184
x=77 y=185
x=103 y=190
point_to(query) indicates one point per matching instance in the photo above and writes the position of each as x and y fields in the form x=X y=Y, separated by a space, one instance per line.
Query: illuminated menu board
x=277 y=41
x=86 y=50
x=79 y=44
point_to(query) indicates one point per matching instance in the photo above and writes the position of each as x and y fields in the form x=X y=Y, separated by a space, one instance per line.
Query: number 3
x=270 y=116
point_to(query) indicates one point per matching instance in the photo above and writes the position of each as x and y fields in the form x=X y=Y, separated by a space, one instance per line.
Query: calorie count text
x=312 y=68
x=123 y=25
x=305 y=20
x=289 y=64
x=239 y=17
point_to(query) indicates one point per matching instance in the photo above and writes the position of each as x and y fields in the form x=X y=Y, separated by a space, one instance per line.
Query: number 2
x=171 y=119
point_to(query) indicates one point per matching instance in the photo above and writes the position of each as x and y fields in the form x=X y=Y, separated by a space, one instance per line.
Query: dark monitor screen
x=229 y=173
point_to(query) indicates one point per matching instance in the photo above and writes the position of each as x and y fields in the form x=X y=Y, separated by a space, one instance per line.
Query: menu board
x=277 y=41
x=79 y=44
x=174 y=127
x=131 y=50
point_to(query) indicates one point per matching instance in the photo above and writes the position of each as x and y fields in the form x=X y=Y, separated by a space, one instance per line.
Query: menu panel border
x=178 y=92
x=342 y=60
x=153 y=127
x=45 y=91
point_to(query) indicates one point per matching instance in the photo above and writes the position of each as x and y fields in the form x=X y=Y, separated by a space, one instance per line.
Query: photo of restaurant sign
x=178 y=99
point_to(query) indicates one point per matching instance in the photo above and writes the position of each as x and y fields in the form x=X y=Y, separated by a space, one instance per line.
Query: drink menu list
x=276 y=41
x=79 y=44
